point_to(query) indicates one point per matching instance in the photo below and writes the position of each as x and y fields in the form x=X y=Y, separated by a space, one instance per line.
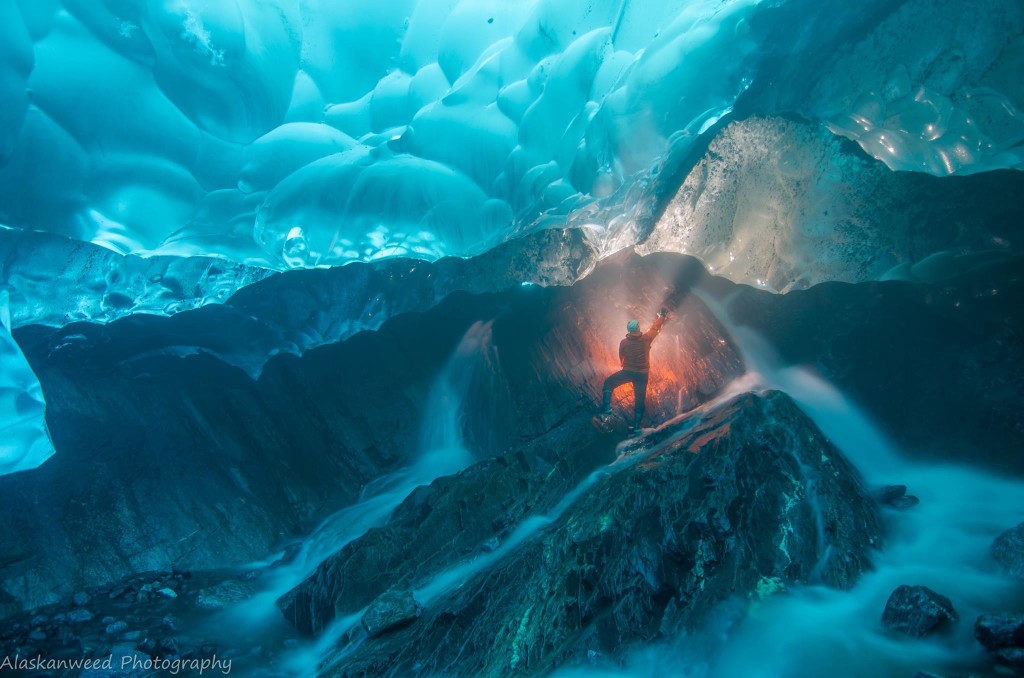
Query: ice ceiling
x=156 y=155
x=296 y=133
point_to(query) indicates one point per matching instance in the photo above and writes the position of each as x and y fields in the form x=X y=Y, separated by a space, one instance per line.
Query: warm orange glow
x=686 y=358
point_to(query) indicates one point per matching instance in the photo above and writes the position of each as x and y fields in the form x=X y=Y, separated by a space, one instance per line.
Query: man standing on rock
x=635 y=359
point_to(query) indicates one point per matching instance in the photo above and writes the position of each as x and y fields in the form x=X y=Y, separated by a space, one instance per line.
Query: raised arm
x=656 y=326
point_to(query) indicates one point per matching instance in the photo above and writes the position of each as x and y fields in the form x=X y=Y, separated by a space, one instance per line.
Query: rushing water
x=810 y=631
x=443 y=453
x=815 y=631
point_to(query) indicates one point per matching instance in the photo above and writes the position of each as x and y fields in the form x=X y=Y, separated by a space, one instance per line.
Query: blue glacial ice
x=308 y=133
x=315 y=132
x=24 y=439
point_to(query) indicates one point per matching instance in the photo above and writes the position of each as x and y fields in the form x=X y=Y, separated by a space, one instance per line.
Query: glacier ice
x=297 y=134
x=306 y=133
x=781 y=205
x=52 y=280
x=24 y=439
x=935 y=88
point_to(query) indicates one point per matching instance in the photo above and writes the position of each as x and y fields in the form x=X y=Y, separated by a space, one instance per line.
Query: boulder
x=224 y=594
x=1012 y=657
x=392 y=610
x=79 y=615
x=1008 y=550
x=895 y=496
x=996 y=631
x=886 y=494
x=697 y=513
x=917 y=611
x=116 y=627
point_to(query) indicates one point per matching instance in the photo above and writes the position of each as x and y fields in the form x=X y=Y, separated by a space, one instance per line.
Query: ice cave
x=496 y=338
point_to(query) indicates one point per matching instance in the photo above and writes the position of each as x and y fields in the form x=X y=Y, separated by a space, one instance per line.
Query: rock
x=108 y=620
x=392 y=610
x=144 y=593
x=38 y=620
x=37 y=635
x=224 y=594
x=115 y=628
x=1008 y=550
x=996 y=631
x=170 y=623
x=1012 y=657
x=79 y=615
x=888 y=493
x=169 y=646
x=895 y=496
x=905 y=502
x=81 y=599
x=167 y=593
x=917 y=611
x=650 y=546
x=118 y=591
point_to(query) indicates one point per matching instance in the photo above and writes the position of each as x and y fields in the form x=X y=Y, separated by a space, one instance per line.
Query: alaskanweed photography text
x=176 y=666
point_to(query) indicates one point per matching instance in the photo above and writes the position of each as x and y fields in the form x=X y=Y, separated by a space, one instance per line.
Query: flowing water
x=443 y=453
x=941 y=543
x=810 y=631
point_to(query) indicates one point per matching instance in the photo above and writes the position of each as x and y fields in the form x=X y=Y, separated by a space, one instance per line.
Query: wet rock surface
x=1003 y=636
x=390 y=611
x=939 y=364
x=996 y=631
x=1008 y=551
x=203 y=467
x=123 y=623
x=895 y=496
x=705 y=510
x=917 y=611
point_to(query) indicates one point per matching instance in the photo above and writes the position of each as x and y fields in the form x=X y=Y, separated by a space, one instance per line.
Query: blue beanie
x=633 y=326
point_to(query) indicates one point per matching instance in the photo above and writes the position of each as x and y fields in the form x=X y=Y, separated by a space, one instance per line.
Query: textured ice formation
x=782 y=205
x=296 y=134
x=54 y=280
x=24 y=439
x=937 y=87
x=303 y=133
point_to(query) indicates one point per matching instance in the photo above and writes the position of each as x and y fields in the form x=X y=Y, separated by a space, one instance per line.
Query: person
x=635 y=359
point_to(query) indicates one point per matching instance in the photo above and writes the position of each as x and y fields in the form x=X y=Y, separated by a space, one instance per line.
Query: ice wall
x=936 y=87
x=783 y=205
x=24 y=439
x=303 y=133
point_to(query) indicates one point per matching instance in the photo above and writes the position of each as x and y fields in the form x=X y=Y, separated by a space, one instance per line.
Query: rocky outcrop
x=175 y=458
x=736 y=500
x=1008 y=551
x=455 y=517
x=917 y=611
x=997 y=631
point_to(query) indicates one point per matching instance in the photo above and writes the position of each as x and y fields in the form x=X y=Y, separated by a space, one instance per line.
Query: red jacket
x=635 y=349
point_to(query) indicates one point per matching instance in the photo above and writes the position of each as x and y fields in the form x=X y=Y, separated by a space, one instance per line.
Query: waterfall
x=442 y=452
x=941 y=543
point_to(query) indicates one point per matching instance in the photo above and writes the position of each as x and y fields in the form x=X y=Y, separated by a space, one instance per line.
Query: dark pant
x=639 y=380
